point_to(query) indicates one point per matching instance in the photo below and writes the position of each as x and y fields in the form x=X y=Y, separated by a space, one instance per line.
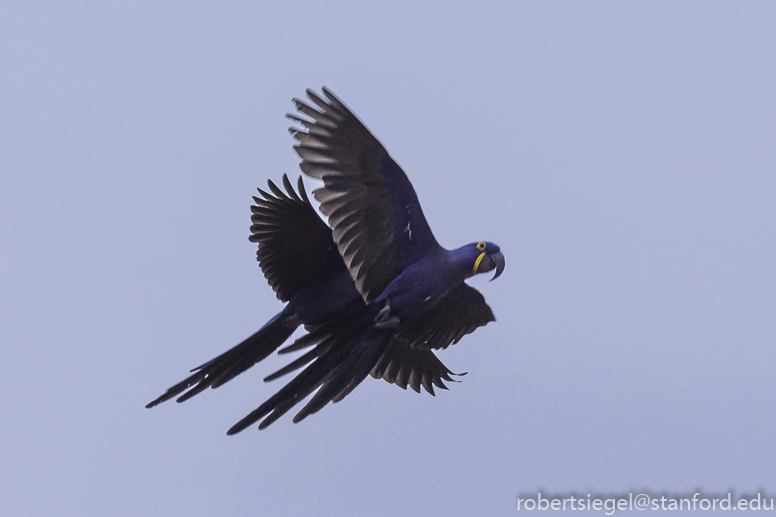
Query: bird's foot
x=384 y=320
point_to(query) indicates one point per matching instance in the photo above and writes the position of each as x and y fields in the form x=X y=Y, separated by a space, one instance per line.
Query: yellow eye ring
x=481 y=246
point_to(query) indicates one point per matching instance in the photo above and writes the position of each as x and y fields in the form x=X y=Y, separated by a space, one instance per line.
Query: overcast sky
x=622 y=154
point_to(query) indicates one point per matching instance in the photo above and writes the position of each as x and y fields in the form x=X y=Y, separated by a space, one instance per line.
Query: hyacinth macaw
x=375 y=292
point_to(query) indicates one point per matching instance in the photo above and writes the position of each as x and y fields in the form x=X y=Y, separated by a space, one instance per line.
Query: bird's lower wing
x=462 y=311
x=403 y=365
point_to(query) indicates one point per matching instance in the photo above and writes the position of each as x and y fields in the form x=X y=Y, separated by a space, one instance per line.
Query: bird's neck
x=460 y=261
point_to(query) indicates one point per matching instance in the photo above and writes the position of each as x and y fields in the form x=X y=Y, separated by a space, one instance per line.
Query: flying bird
x=374 y=290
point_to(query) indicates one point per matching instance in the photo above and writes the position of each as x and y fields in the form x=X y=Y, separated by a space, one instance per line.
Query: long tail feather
x=342 y=361
x=236 y=360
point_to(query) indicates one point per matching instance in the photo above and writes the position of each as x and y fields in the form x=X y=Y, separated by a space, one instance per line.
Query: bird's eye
x=481 y=246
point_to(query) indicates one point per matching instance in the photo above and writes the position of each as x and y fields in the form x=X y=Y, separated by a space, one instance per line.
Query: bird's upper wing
x=295 y=245
x=375 y=215
x=460 y=312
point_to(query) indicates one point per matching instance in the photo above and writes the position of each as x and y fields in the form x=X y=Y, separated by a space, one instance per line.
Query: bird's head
x=484 y=257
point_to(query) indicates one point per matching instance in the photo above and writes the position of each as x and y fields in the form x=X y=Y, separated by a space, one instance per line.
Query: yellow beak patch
x=477 y=263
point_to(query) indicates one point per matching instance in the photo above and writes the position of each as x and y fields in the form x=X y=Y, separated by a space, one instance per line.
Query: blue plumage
x=374 y=290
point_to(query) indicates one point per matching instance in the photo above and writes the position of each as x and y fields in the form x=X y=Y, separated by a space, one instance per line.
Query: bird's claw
x=384 y=320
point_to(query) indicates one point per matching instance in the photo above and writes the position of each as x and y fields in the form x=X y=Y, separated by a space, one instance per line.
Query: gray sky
x=622 y=154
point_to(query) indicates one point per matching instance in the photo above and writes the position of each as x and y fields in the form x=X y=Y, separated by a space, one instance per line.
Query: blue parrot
x=374 y=290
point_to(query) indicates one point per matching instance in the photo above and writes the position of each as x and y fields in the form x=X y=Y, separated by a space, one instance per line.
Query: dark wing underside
x=377 y=221
x=295 y=245
x=403 y=365
x=460 y=312
x=400 y=363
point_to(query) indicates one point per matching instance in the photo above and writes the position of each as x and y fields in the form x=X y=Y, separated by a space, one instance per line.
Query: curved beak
x=498 y=259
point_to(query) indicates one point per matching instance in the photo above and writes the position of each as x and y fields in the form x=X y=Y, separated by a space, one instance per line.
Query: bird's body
x=422 y=284
x=323 y=296
x=375 y=291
